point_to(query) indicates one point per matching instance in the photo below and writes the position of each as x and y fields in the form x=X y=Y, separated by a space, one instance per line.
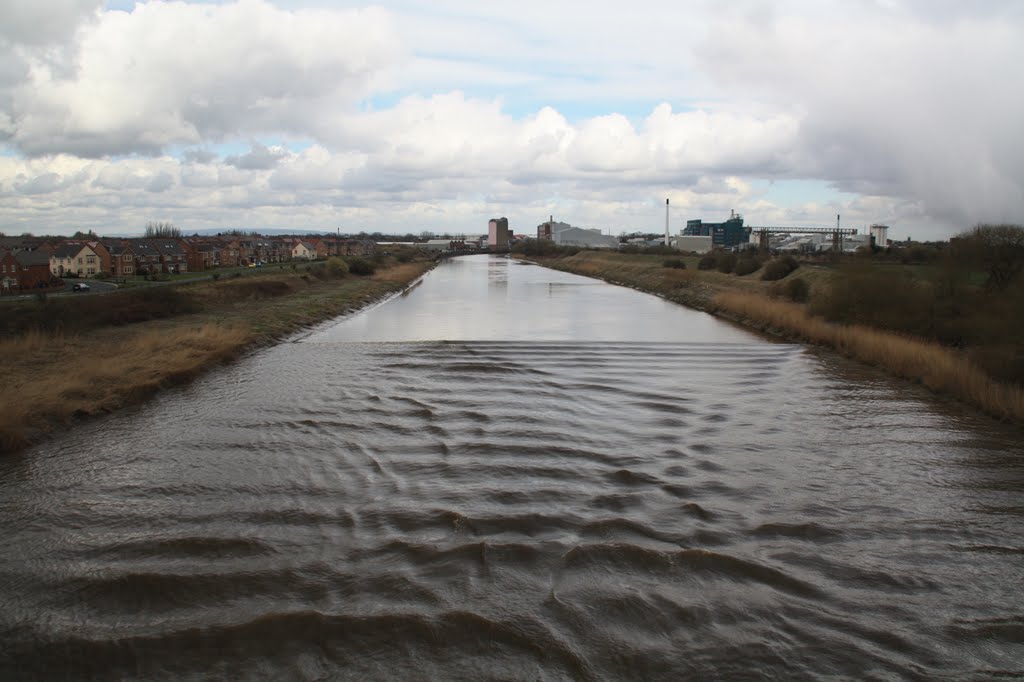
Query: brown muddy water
x=515 y=473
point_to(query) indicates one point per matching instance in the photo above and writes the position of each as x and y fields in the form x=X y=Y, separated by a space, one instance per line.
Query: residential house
x=22 y=271
x=303 y=251
x=230 y=252
x=173 y=257
x=328 y=246
x=358 y=247
x=62 y=258
x=262 y=250
x=104 y=255
x=77 y=259
x=122 y=258
x=24 y=243
x=280 y=250
x=247 y=251
x=320 y=248
x=147 y=257
x=202 y=255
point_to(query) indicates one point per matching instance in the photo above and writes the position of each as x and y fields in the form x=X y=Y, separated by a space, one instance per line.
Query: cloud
x=161 y=182
x=176 y=73
x=436 y=115
x=891 y=105
x=260 y=157
x=41 y=184
x=32 y=22
x=198 y=156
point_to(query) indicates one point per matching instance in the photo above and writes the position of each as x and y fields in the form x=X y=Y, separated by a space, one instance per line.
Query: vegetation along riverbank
x=64 y=358
x=947 y=317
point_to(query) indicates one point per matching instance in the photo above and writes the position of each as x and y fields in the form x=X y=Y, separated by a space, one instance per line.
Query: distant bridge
x=837 y=233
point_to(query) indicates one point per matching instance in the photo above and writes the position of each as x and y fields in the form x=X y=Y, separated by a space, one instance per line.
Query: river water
x=515 y=473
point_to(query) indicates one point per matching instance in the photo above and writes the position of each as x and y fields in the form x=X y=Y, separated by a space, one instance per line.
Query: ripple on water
x=521 y=510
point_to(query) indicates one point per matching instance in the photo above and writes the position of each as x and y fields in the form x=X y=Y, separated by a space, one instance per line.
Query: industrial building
x=498 y=233
x=726 y=234
x=880 y=235
x=820 y=243
x=565 y=234
x=692 y=243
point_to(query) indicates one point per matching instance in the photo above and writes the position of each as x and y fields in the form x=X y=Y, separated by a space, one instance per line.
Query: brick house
x=280 y=250
x=23 y=271
x=202 y=255
x=103 y=253
x=147 y=257
x=230 y=252
x=358 y=247
x=173 y=257
x=122 y=258
x=324 y=248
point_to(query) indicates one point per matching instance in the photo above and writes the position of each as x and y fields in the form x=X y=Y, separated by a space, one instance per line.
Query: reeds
x=87 y=377
x=943 y=370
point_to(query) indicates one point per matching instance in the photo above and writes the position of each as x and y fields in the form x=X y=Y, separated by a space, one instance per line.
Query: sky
x=416 y=117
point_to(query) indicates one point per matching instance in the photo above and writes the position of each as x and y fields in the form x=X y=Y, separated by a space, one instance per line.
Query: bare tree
x=161 y=230
x=998 y=250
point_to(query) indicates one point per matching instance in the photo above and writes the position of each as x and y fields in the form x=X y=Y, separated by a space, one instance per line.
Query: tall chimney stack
x=666 y=223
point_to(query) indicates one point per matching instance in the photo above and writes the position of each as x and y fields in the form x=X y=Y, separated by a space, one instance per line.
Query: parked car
x=80 y=287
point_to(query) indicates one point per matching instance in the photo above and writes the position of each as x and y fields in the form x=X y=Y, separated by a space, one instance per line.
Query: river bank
x=68 y=366
x=751 y=302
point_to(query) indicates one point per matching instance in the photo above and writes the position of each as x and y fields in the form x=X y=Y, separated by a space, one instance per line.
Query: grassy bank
x=760 y=304
x=74 y=358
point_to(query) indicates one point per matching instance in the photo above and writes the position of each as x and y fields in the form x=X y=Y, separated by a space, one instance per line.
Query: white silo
x=881 y=235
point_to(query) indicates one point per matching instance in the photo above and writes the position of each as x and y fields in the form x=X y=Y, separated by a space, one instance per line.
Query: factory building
x=692 y=243
x=498 y=233
x=565 y=234
x=726 y=234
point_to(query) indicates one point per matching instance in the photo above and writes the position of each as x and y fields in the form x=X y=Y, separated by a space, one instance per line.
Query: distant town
x=31 y=263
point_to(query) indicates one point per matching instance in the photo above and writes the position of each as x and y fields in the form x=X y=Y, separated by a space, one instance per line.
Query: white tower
x=667 y=243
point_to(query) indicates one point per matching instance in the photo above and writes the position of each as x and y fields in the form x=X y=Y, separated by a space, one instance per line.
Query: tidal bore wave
x=548 y=510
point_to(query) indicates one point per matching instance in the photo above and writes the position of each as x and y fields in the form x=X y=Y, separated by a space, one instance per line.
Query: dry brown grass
x=402 y=272
x=50 y=379
x=32 y=341
x=90 y=376
x=941 y=369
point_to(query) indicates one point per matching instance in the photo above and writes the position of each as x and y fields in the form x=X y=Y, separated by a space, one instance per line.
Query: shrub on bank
x=745 y=266
x=725 y=261
x=706 y=263
x=880 y=298
x=674 y=263
x=778 y=268
x=361 y=266
x=795 y=289
x=336 y=267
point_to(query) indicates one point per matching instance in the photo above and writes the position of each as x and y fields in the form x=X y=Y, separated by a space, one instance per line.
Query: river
x=515 y=473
